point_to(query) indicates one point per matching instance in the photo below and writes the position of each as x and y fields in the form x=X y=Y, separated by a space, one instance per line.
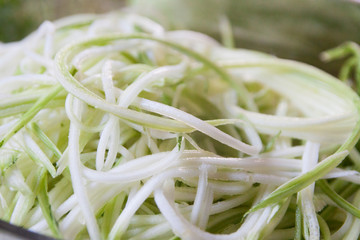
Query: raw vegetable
x=113 y=127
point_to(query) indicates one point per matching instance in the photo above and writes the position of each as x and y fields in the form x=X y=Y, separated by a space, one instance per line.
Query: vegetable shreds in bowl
x=112 y=127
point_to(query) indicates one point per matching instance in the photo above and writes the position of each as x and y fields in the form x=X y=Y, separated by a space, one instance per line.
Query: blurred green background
x=292 y=29
x=20 y=17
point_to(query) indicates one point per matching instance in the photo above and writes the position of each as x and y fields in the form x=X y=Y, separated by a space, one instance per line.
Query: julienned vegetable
x=112 y=127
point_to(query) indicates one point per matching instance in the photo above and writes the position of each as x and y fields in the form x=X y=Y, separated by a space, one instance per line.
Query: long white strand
x=310 y=159
x=80 y=58
x=102 y=145
x=78 y=183
x=132 y=91
x=354 y=230
x=113 y=122
x=121 y=174
x=339 y=234
x=153 y=232
x=202 y=189
x=154 y=28
x=198 y=124
x=205 y=213
x=253 y=223
x=112 y=126
x=233 y=202
x=184 y=229
x=75 y=120
x=123 y=220
x=49 y=40
x=162 y=109
x=42 y=157
x=113 y=146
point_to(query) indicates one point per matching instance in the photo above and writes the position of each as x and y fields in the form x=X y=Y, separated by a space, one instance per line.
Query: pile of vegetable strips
x=114 y=128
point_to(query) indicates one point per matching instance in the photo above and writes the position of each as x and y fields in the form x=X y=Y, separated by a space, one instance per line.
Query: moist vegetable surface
x=112 y=127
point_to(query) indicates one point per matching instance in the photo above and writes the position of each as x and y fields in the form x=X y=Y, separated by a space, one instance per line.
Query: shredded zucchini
x=112 y=127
